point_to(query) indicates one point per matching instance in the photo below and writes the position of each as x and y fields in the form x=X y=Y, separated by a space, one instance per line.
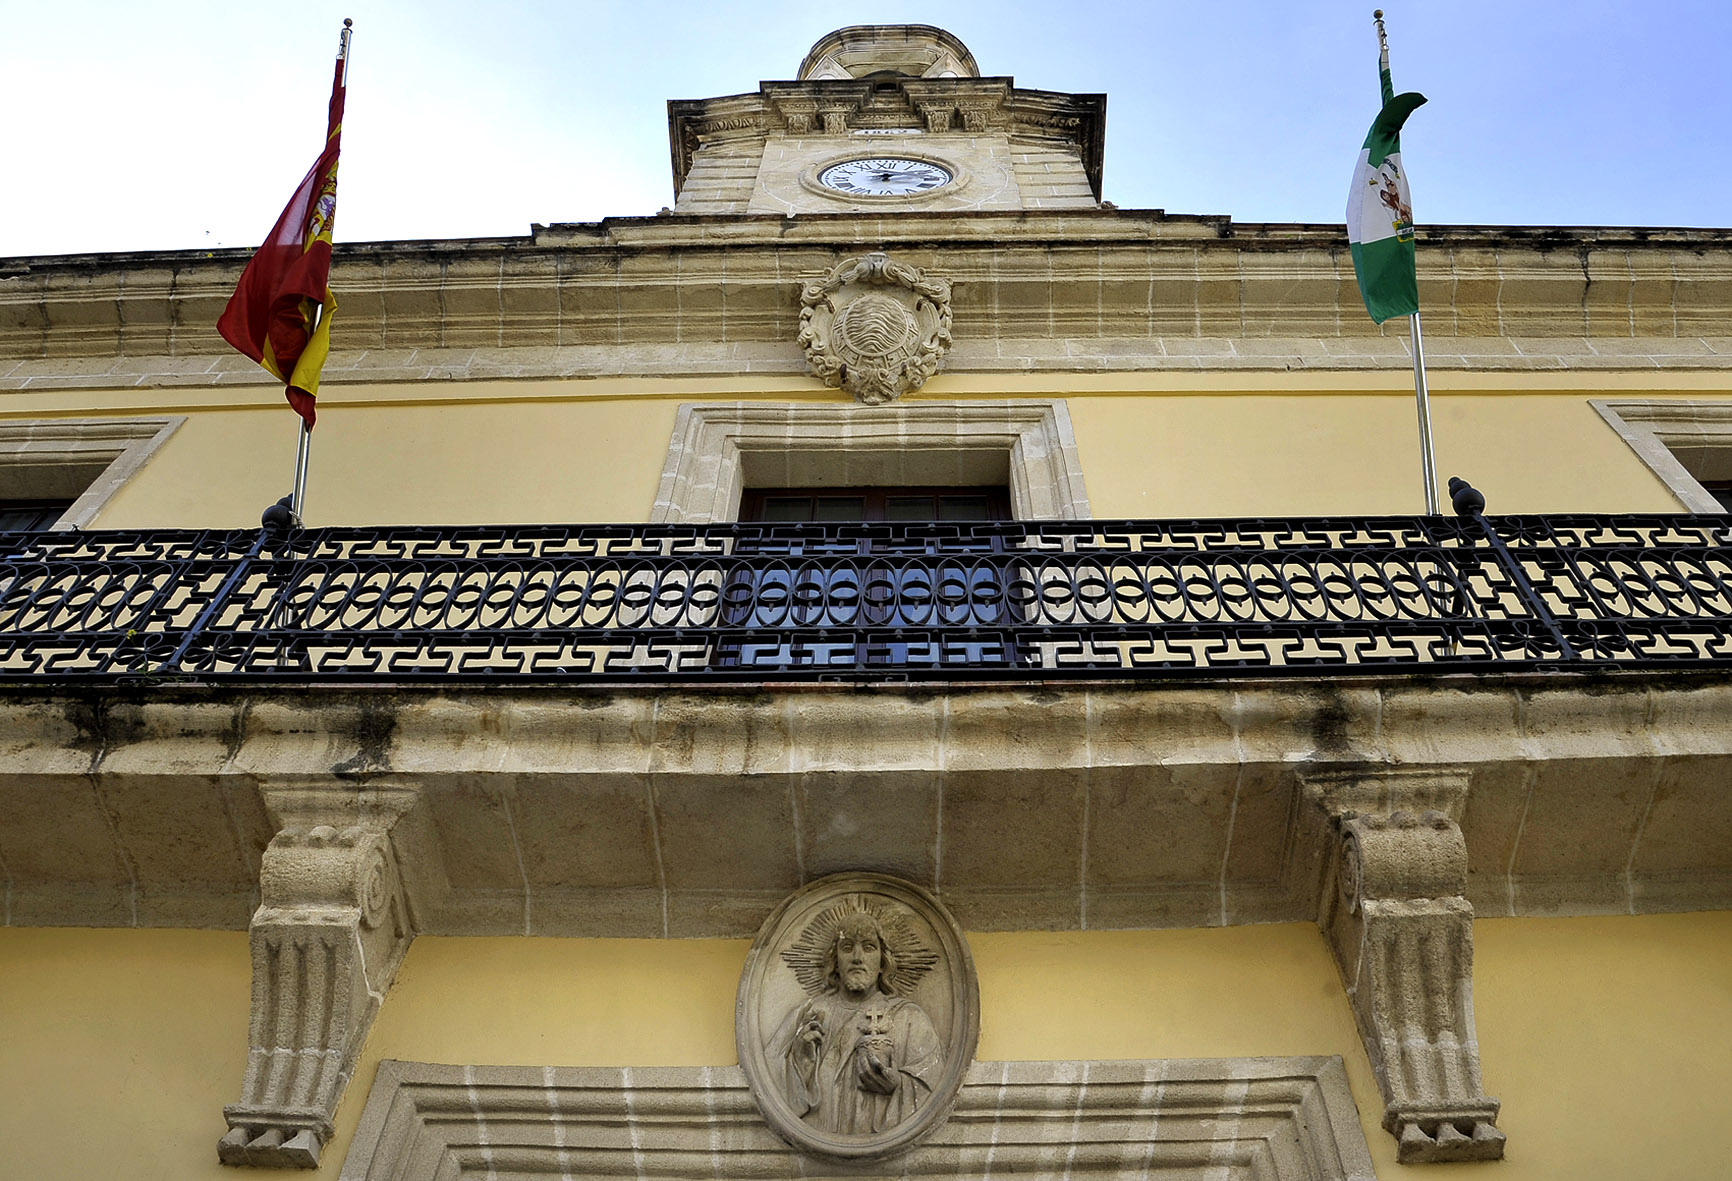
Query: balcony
x=1103 y=600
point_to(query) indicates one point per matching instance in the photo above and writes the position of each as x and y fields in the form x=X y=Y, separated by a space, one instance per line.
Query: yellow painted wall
x=118 y=1050
x=1151 y=445
x=1609 y=1040
x=1220 y=455
x=448 y=464
x=1610 y=1043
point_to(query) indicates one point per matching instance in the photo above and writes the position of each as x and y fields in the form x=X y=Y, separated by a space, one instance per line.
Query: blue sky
x=164 y=126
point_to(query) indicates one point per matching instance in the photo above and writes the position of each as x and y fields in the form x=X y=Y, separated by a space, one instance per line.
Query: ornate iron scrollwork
x=738 y=601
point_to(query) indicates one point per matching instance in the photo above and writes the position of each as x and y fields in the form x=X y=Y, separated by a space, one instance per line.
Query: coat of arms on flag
x=1380 y=212
x=280 y=313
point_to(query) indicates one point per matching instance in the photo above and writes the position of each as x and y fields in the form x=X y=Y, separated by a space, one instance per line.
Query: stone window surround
x=718 y=449
x=89 y=459
x=1683 y=443
x=1274 y=1118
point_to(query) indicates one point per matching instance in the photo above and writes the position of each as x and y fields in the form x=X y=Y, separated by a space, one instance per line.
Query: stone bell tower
x=887 y=118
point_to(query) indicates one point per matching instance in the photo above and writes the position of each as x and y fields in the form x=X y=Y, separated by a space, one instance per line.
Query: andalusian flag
x=1379 y=212
x=280 y=313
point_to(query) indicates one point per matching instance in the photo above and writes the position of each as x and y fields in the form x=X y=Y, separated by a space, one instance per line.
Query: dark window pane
x=21 y=516
x=963 y=508
x=840 y=508
x=1721 y=491
x=784 y=508
x=905 y=504
x=908 y=508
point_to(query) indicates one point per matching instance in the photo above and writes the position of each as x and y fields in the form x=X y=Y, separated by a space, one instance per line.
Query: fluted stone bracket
x=1401 y=928
x=332 y=927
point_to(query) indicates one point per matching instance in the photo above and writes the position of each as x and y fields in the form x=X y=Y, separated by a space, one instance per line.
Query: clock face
x=884 y=176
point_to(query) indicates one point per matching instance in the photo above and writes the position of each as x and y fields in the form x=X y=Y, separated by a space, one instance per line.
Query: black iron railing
x=868 y=602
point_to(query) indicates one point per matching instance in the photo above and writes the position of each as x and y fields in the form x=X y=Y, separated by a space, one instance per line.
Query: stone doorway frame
x=1281 y=1119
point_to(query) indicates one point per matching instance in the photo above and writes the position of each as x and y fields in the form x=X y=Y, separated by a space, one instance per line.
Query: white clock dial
x=884 y=176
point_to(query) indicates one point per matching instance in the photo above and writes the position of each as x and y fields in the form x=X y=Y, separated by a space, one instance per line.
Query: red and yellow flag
x=280 y=313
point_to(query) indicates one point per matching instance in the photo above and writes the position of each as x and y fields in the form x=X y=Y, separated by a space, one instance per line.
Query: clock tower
x=883 y=118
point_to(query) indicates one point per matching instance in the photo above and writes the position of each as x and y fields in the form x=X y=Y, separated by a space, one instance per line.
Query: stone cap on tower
x=910 y=93
x=910 y=51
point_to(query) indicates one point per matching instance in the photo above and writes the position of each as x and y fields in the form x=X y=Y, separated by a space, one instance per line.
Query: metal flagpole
x=298 y=500
x=299 y=497
x=1427 y=465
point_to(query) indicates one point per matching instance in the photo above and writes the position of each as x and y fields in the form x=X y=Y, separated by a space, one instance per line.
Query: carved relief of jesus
x=858 y=1057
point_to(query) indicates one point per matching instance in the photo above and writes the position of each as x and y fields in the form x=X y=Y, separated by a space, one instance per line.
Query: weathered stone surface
x=1154 y=805
x=332 y=927
x=717 y=449
x=875 y=327
x=1006 y=148
x=1275 y=1119
x=1247 y=296
x=1402 y=934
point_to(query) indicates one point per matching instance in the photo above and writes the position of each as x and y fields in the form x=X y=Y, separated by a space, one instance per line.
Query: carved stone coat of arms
x=875 y=327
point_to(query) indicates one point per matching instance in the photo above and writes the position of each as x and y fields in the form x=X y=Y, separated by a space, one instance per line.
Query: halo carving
x=857 y=1016
x=875 y=327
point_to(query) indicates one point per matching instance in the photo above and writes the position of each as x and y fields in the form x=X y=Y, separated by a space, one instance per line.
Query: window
x=1687 y=444
x=77 y=464
x=883 y=609
x=1720 y=490
x=902 y=609
x=717 y=451
x=31 y=516
x=943 y=503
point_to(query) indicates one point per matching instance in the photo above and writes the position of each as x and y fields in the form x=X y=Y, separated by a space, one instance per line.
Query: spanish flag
x=280 y=313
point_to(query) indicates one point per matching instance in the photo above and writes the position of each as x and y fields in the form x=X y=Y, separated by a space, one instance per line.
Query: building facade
x=888 y=506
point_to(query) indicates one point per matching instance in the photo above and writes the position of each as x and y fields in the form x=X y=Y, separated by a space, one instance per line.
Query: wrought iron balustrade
x=868 y=601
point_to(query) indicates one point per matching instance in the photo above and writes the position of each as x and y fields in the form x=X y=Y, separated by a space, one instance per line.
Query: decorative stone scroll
x=857 y=1017
x=1402 y=933
x=875 y=327
x=326 y=942
x=800 y=114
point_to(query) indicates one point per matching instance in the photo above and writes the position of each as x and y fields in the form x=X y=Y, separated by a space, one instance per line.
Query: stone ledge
x=1272 y=1119
x=661 y=812
x=656 y=281
x=990 y=355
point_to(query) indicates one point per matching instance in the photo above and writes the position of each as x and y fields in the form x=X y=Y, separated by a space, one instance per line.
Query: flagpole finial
x=343 y=47
x=1382 y=37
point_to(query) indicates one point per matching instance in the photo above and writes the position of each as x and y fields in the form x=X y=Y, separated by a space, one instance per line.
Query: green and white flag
x=1379 y=212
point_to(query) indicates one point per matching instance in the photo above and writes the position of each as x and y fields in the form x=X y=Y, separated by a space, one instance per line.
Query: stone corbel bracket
x=807 y=109
x=332 y=927
x=1402 y=933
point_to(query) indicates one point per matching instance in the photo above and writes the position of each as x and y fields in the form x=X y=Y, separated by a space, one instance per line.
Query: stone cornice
x=573 y=812
x=836 y=107
x=1662 y=365
x=1107 y=275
